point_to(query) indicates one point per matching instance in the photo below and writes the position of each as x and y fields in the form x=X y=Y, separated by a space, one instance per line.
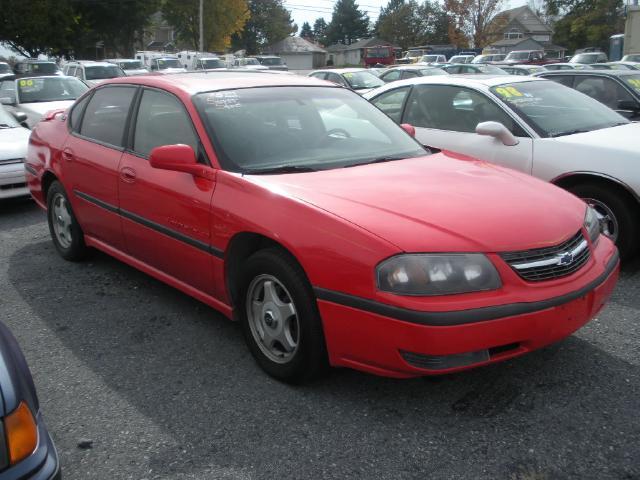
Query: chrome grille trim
x=551 y=262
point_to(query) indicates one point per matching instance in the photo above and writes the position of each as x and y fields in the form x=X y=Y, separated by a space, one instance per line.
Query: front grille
x=551 y=262
x=10 y=161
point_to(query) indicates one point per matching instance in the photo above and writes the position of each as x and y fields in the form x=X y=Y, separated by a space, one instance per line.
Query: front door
x=446 y=116
x=165 y=214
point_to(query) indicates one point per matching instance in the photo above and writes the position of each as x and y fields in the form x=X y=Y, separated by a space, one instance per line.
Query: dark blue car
x=26 y=449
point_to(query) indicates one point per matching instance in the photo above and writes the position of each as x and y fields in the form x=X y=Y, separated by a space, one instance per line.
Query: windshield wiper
x=280 y=169
x=569 y=132
x=389 y=158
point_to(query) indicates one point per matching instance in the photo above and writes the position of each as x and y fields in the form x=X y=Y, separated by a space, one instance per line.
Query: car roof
x=215 y=80
x=340 y=70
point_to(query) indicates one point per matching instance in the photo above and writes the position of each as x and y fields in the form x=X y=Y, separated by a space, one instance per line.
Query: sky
x=308 y=10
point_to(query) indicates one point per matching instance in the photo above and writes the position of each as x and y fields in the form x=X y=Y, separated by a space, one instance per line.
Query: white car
x=130 y=66
x=35 y=96
x=249 y=63
x=360 y=80
x=14 y=139
x=5 y=70
x=92 y=73
x=545 y=129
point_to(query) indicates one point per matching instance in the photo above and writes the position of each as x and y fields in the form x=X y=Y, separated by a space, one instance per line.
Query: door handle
x=67 y=154
x=128 y=174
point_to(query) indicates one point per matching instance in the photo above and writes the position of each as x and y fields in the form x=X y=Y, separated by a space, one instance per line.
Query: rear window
x=100 y=72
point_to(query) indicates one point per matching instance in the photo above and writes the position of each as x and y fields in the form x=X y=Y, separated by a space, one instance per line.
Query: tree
x=586 y=22
x=408 y=24
x=471 y=20
x=222 y=18
x=320 y=30
x=348 y=23
x=269 y=22
x=306 y=32
x=37 y=26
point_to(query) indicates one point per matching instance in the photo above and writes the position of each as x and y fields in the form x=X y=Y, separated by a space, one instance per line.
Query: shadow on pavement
x=569 y=410
x=19 y=212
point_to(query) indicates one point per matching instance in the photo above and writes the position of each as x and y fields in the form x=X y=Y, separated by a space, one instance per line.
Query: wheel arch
x=241 y=246
x=568 y=180
x=48 y=177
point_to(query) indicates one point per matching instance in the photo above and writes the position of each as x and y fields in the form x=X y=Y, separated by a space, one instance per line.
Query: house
x=349 y=55
x=521 y=29
x=160 y=36
x=298 y=53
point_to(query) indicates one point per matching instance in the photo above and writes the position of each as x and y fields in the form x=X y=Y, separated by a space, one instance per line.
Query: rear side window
x=392 y=102
x=566 y=80
x=162 y=120
x=391 y=76
x=106 y=115
x=76 y=113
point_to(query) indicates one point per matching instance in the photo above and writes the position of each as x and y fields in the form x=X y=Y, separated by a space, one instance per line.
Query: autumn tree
x=470 y=20
x=348 y=23
x=221 y=18
x=306 y=32
x=269 y=22
x=586 y=22
x=320 y=30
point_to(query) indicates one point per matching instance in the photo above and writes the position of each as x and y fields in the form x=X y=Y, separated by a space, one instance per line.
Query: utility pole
x=201 y=29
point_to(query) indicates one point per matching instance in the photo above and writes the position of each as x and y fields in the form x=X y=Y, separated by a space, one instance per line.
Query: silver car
x=14 y=139
x=35 y=96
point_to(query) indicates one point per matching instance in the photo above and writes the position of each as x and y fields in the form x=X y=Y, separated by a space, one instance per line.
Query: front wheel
x=65 y=231
x=280 y=318
x=617 y=215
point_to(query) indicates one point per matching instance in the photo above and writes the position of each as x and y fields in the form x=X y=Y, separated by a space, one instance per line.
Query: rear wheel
x=280 y=319
x=65 y=231
x=617 y=214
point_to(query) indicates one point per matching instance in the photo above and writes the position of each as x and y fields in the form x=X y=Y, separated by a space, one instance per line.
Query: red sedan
x=301 y=210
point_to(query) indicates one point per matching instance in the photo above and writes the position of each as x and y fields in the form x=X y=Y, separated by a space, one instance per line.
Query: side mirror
x=630 y=105
x=498 y=131
x=10 y=100
x=21 y=117
x=179 y=158
x=410 y=129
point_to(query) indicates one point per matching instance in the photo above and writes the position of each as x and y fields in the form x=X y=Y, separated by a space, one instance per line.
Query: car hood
x=623 y=138
x=13 y=143
x=442 y=202
x=35 y=111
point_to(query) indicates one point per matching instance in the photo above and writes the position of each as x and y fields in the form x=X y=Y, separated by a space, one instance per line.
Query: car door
x=165 y=214
x=445 y=117
x=91 y=157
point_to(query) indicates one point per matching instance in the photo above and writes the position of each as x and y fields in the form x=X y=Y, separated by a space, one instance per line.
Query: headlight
x=437 y=274
x=592 y=224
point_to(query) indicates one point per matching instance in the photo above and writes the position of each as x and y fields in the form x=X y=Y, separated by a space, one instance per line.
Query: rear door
x=165 y=214
x=446 y=116
x=91 y=157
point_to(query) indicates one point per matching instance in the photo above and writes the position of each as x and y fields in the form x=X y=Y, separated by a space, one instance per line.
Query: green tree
x=586 y=22
x=320 y=30
x=306 y=32
x=37 y=26
x=222 y=19
x=348 y=23
x=407 y=23
x=269 y=22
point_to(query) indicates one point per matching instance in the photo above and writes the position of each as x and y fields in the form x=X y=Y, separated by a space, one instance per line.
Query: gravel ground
x=138 y=381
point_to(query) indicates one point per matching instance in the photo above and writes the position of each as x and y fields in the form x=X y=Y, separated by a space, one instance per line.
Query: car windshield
x=165 y=63
x=429 y=58
x=212 y=63
x=251 y=61
x=585 y=58
x=554 y=110
x=44 y=68
x=130 y=65
x=280 y=129
x=362 y=80
x=98 y=72
x=7 y=120
x=49 y=89
x=272 y=61
x=633 y=81
x=490 y=69
x=518 y=56
x=4 y=68
x=432 y=71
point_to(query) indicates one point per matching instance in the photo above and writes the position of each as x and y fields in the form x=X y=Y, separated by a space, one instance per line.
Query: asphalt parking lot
x=138 y=381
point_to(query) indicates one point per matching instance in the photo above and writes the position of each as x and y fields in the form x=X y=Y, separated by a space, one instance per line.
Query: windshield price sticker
x=224 y=100
x=635 y=83
x=509 y=92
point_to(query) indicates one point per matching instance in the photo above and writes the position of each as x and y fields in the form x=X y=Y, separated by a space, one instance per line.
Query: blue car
x=26 y=449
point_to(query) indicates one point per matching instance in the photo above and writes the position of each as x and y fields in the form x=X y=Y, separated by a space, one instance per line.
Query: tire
x=285 y=333
x=623 y=227
x=65 y=231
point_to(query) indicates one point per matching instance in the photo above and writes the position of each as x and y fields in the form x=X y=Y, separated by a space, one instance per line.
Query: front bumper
x=401 y=343
x=12 y=181
x=42 y=464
